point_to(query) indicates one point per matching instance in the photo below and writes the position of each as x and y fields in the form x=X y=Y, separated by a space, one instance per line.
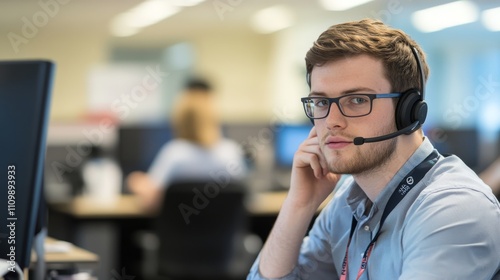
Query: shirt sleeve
x=452 y=232
x=254 y=273
x=162 y=165
x=237 y=167
x=315 y=259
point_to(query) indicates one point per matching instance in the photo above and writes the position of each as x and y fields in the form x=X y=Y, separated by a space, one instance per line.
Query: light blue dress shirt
x=446 y=227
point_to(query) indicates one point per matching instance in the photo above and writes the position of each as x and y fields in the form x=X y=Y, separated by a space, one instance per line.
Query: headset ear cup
x=420 y=112
x=409 y=108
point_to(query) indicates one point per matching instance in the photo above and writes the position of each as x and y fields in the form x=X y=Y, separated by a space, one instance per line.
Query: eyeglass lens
x=349 y=105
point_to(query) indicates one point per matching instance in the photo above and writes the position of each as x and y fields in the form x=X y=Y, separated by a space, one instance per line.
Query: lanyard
x=410 y=180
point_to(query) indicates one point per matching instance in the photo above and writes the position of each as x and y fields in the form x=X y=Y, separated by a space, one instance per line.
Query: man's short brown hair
x=374 y=38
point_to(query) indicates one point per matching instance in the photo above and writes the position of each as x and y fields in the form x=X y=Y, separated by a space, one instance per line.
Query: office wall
x=237 y=61
x=75 y=53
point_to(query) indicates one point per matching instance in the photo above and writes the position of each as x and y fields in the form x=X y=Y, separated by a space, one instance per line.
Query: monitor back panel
x=24 y=108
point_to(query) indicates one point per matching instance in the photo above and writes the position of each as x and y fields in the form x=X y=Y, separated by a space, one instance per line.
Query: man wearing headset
x=406 y=212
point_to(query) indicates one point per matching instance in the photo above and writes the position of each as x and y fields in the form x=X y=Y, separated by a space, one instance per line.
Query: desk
x=85 y=207
x=95 y=226
x=269 y=203
x=100 y=227
x=127 y=206
x=74 y=256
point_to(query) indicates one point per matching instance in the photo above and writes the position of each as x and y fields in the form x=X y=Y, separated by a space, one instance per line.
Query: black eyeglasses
x=350 y=105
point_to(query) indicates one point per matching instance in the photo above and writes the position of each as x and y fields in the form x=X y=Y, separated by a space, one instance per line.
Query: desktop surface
x=128 y=206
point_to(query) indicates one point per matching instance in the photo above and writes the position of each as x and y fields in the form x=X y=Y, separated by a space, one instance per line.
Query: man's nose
x=335 y=117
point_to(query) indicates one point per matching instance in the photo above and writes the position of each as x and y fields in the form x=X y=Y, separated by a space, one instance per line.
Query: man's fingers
x=313 y=132
x=315 y=150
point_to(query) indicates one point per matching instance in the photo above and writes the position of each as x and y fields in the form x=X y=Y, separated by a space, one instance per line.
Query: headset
x=411 y=110
x=411 y=106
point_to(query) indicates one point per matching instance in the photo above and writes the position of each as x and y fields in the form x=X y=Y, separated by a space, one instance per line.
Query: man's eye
x=321 y=102
x=358 y=100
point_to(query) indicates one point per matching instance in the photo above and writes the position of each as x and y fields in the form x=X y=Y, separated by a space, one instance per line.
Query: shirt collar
x=357 y=199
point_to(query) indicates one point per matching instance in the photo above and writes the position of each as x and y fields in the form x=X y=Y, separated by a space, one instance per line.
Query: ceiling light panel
x=445 y=16
x=341 y=5
x=491 y=19
x=272 y=19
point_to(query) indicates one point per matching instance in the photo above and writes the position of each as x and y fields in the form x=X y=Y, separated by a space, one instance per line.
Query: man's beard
x=365 y=160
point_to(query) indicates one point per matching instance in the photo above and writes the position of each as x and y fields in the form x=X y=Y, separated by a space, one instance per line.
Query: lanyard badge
x=408 y=182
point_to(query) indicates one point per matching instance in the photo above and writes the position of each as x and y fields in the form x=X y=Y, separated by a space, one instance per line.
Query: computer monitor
x=254 y=138
x=138 y=145
x=288 y=138
x=25 y=89
x=463 y=142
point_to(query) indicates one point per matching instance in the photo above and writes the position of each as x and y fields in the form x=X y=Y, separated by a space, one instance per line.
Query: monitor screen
x=463 y=143
x=287 y=140
x=138 y=145
x=25 y=88
x=254 y=138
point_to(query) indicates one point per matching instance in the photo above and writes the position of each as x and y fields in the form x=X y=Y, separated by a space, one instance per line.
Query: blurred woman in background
x=198 y=152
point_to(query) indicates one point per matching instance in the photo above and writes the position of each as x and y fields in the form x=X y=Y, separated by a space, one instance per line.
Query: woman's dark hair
x=197 y=84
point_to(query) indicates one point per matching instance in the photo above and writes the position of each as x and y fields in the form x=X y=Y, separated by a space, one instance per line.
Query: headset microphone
x=360 y=140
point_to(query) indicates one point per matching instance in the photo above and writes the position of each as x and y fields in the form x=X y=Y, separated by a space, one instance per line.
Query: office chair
x=201 y=232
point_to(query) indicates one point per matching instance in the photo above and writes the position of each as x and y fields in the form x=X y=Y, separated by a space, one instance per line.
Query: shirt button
x=366 y=228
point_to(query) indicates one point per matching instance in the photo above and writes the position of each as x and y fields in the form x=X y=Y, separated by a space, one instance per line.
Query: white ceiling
x=95 y=15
